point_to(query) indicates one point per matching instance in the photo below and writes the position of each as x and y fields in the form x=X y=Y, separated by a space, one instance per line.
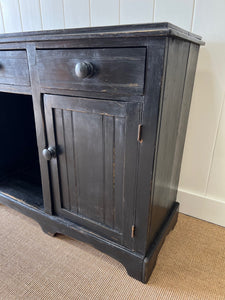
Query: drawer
x=14 y=67
x=108 y=70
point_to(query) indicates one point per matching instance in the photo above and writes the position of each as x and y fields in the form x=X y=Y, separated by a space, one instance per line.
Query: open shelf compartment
x=20 y=176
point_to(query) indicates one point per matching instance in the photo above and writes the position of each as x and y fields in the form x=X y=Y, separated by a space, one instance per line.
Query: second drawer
x=106 y=70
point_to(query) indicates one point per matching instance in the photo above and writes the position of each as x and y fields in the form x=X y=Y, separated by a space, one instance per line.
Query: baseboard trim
x=202 y=207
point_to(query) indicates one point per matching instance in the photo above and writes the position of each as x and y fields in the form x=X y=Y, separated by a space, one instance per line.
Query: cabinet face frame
x=73 y=124
x=149 y=102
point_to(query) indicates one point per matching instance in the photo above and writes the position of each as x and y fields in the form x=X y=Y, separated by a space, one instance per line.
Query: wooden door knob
x=49 y=153
x=84 y=69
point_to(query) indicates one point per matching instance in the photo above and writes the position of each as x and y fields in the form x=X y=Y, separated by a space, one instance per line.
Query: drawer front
x=111 y=70
x=14 y=67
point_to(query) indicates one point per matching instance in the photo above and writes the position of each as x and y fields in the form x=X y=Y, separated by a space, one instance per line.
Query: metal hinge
x=139 y=138
x=132 y=231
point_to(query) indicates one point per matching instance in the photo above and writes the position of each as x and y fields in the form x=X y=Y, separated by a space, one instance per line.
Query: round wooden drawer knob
x=84 y=69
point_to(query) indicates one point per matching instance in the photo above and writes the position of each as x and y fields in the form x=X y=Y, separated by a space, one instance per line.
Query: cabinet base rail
x=138 y=266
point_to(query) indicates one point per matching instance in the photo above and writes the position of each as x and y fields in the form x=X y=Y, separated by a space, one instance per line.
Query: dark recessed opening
x=19 y=164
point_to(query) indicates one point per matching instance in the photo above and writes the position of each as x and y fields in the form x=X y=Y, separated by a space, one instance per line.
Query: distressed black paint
x=118 y=134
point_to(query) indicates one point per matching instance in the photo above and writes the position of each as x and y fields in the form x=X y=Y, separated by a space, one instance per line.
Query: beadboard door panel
x=93 y=180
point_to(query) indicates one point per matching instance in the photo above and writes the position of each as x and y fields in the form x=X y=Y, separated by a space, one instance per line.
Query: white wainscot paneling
x=11 y=15
x=216 y=184
x=178 y=12
x=52 y=14
x=30 y=14
x=207 y=97
x=2 y=28
x=136 y=11
x=202 y=207
x=76 y=13
x=104 y=12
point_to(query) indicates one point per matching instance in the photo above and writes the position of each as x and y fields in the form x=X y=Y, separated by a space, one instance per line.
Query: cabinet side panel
x=175 y=108
x=184 y=114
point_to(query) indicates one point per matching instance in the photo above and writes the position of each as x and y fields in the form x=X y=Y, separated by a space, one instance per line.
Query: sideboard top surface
x=138 y=30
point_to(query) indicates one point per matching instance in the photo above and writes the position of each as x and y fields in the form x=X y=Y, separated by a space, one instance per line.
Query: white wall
x=202 y=181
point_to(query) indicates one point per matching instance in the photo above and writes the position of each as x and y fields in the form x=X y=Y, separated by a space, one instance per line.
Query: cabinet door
x=94 y=173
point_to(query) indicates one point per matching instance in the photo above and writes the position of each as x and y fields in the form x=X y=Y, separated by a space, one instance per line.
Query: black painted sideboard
x=92 y=127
